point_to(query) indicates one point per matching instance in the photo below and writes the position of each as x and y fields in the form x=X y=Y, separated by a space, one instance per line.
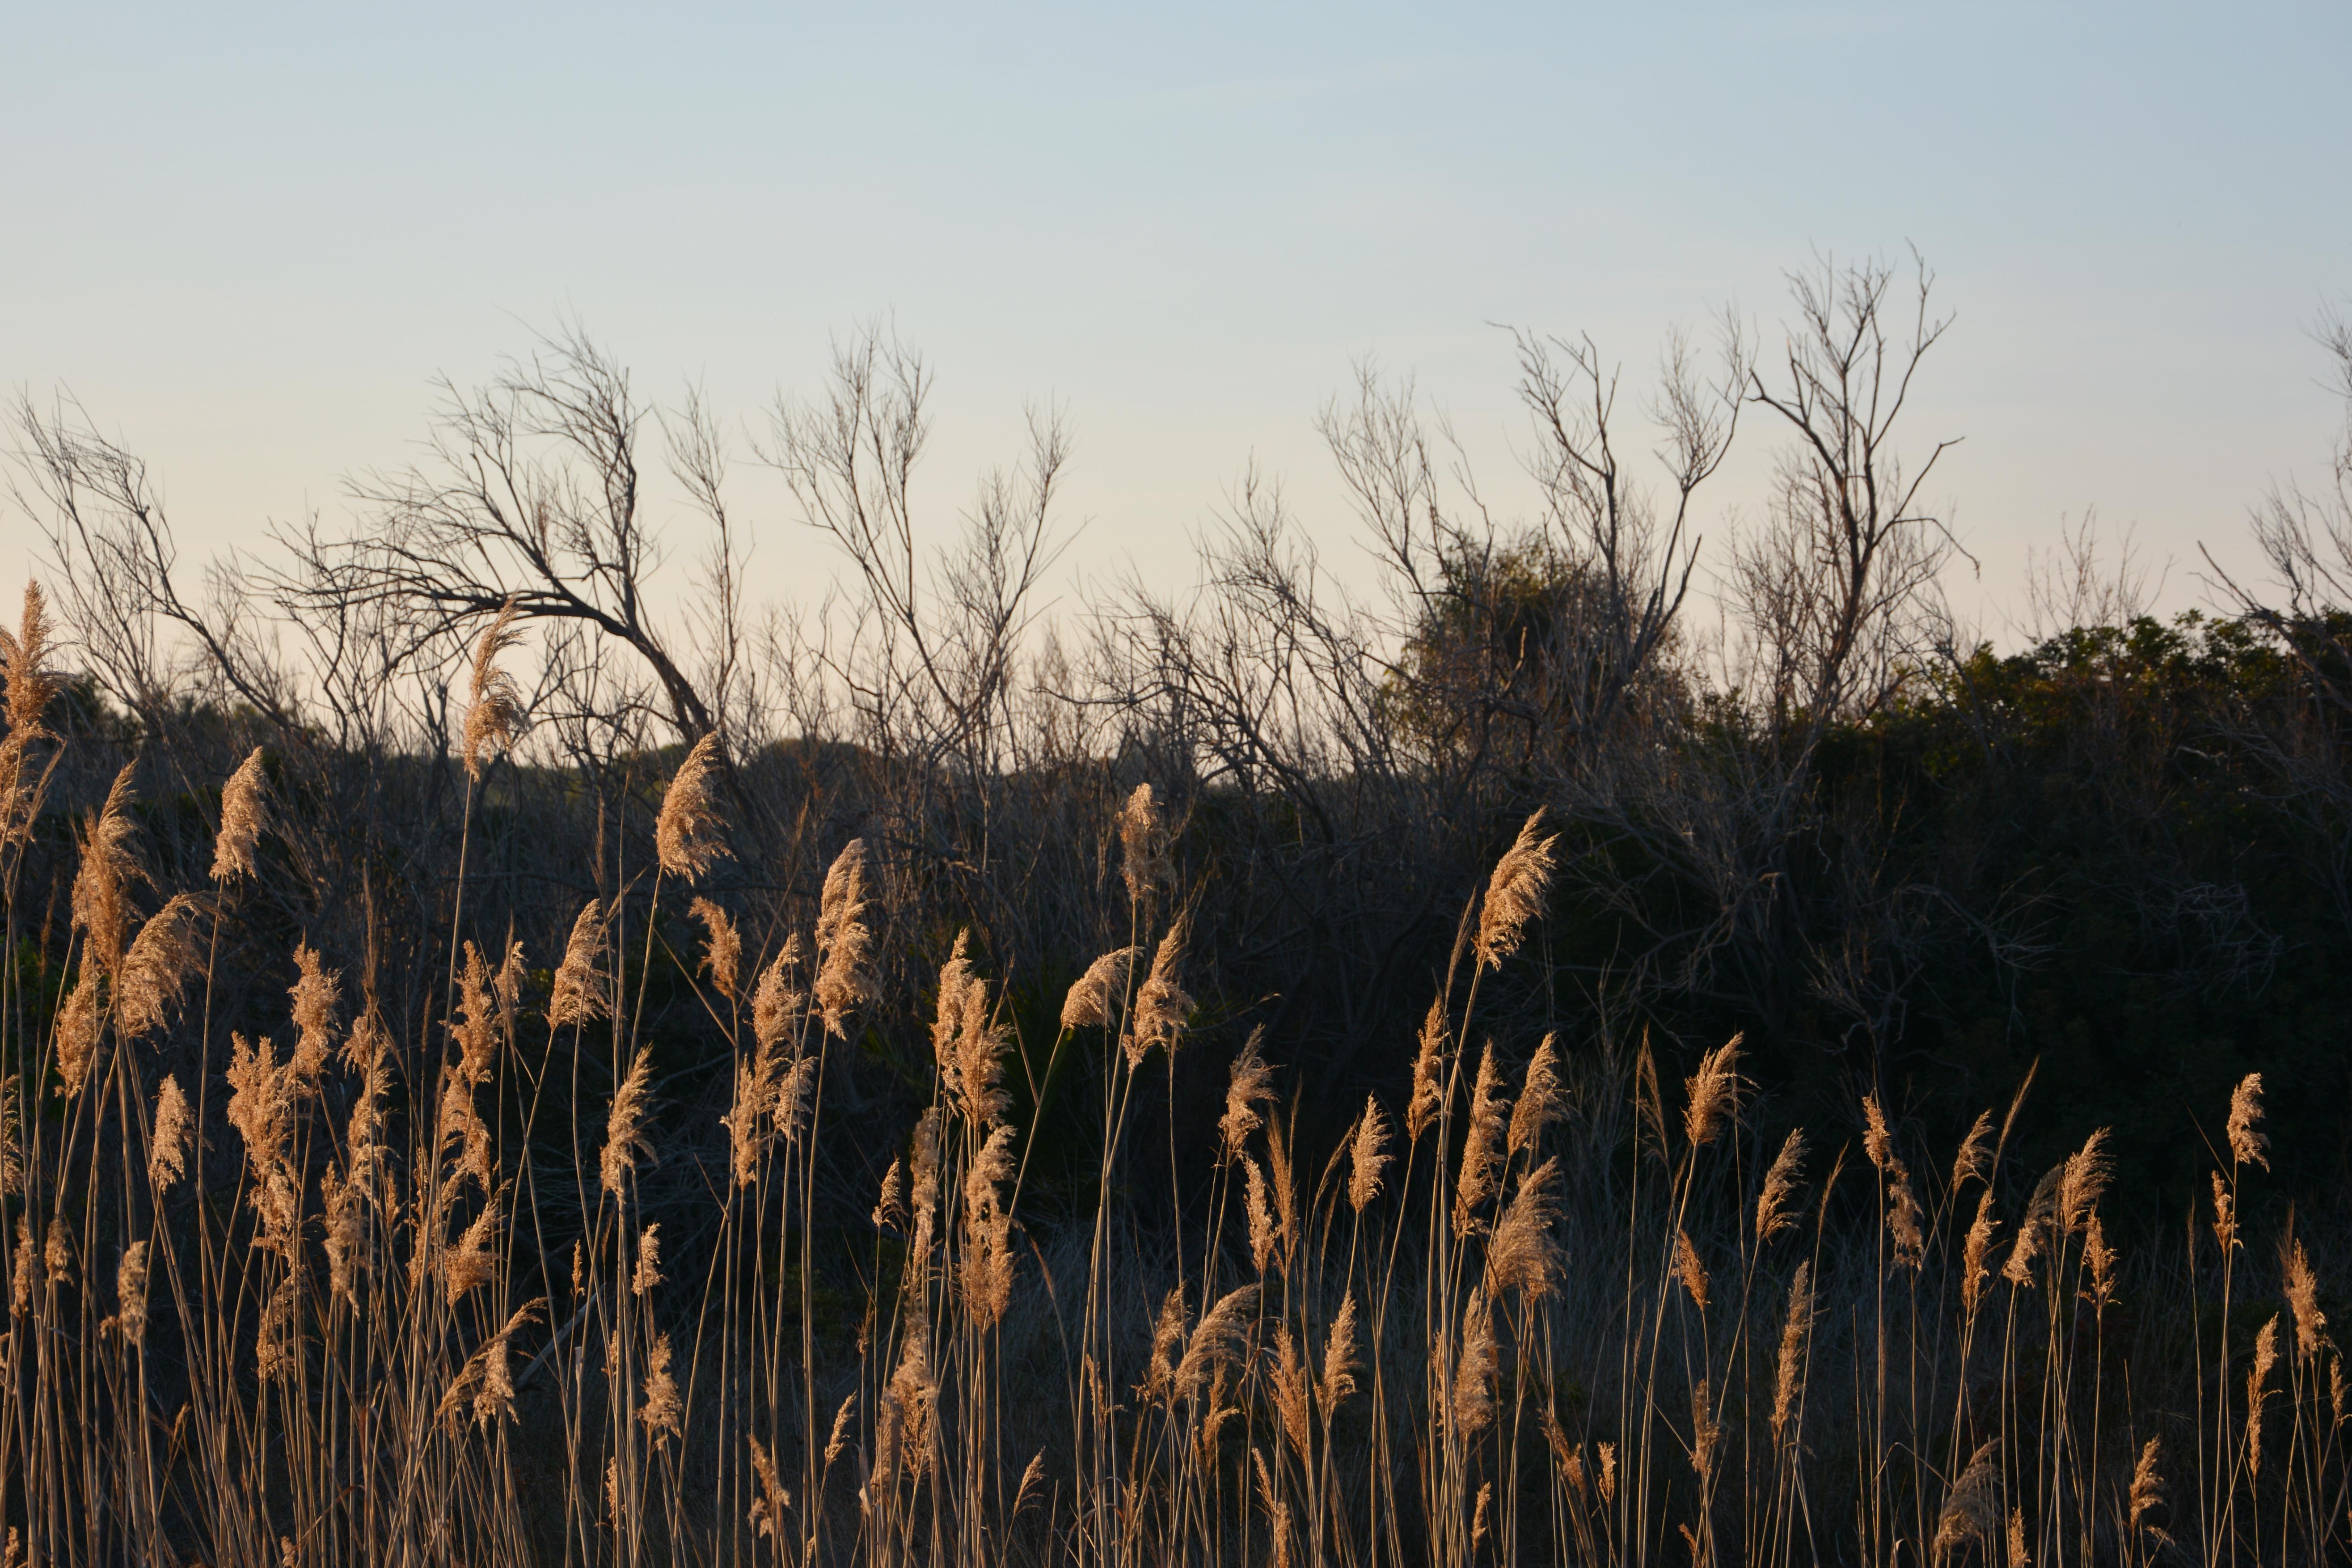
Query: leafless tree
x=532 y=492
x=935 y=634
x=1828 y=585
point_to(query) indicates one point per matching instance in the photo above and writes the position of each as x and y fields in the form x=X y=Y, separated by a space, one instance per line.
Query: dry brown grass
x=1515 y=1336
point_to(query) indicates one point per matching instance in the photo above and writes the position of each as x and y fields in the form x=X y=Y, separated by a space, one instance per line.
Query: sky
x=248 y=239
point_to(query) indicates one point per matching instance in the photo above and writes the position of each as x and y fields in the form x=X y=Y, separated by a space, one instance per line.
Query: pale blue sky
x=248 y=238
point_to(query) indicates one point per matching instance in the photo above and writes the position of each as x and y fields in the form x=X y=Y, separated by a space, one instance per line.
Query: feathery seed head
x=686 y=833
x=167 y=1150
x=315 y=993
x=1974 y=1162
x=723 y=951
x=1250 y=1086
x=1789 y=1375
x=1367 y=1153
x=155 y=970
x=1143 y=846
x=1428 y=1074
x=1161 y=1005
x=647 y=1273
x=77 y=1032
x=1773 y=1214
x=2087 y=1172
x=844 y=944
x=1713 y=1093
x=1525 y=1255
x=245 y=812
x=494 y=715
x=1098 y=993
x=2303 y=1297
x=1481 y=1144
x=577 y=995
x=776 y=1004
x=2248 y=1144
x=624 y=1138
x=101 y=887
x=1541 y=1099
x=1515 y=893
x=1689 y=1270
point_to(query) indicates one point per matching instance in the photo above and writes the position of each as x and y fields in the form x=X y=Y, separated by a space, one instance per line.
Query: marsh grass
x=418 y=1306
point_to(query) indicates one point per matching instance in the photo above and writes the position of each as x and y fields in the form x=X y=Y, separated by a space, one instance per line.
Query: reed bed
x=337 y=1297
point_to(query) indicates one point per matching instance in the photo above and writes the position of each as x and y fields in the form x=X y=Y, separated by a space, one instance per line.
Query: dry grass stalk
x=686 y=832
x=2302 y=1298
x=1167 y=1342
x=774 y=1003
x=1096 y=994
x=1525 y=1255
x=1294 y=1392
x=648 y=1272
x=1689 y=1270
x=663 y=1412
x=316 y=994
x=1974 y=1250
x=1789 y=1377
x=1773 y=1214
x=1143 y=846
x=722 y=950
x=1262 y=1231
x=968 y=1044
x=471 y=1263
x=2087 y=1172
x=2018 y=1557
x=493 y=701
x=2099 y=1259
x=624 y=1138
x=1428 y=1074
x=1481 y=1144
x=1367 y=1154
x=1217 y=1342
x=102 y=883
x=245 y=813
x=1248 y=1086
x=1542 y=1101
x=2258 y=1391
x=25 y=1268
x=988 y=1232
x=1713 y=1094
x=1971 y=1511
x=12 y=1149
x=476 y=1026
x=577 y=994
x=1515 y=893
x=495 y=1400
x=30 y=690
x=2225 y=1215
x=130 y=1318
x=1162 y=1005
x=77 y=1026
x=1338 y=1380
x=1974 y=1162
x=2146 y=1486
x=262 y=1109
x=156 y=968
x=1476 y=1368
x=167 y=1147
x=461 y=1128
x=768 y=1508
x=844 y=942
x=2248 y=1144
